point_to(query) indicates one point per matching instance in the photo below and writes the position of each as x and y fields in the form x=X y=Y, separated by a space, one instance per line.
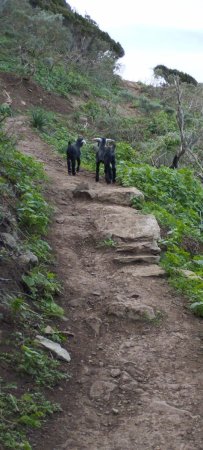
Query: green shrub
x=175 y=197
x=38 y=118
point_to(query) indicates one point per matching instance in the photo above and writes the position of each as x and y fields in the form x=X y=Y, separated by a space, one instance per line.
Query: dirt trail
x=136 y=384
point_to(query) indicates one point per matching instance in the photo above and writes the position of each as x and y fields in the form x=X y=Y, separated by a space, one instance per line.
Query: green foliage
x=108 y=242
x=43 y=369
x=19 y=414
x=21 y=179
x=41 y=283
x=5 y=111
x=62 y=81
x=33 y=211
x=175 y=197
x=146 y=105
x=168 y=74
x=79 y=24
x=40 y=248
x=42 y=287
x=38 y=118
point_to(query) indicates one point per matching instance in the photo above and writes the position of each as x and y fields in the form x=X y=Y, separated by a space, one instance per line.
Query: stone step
x=119 y=195
x=140 y=270
x=146 y=259
x=126 y=226
x=139 y=248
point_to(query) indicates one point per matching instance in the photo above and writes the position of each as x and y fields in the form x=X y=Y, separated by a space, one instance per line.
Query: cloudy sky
x=151 y=32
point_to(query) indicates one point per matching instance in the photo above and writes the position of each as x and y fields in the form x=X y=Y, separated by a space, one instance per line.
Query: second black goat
x=73 y=153
x=105 y=153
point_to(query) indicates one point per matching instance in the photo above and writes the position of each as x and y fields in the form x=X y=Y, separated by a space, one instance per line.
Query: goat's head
x=81 y=141
x=103 y=140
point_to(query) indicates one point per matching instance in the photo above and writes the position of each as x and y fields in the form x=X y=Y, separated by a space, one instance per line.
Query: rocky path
x=137 y=361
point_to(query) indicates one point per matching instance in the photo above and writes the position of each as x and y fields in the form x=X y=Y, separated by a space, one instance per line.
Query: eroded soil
x=135 y=384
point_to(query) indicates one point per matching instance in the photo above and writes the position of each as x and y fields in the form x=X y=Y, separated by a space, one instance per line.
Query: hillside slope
x=136 y=354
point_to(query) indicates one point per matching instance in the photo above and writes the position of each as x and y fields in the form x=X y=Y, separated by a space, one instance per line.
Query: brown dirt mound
x=26 y=94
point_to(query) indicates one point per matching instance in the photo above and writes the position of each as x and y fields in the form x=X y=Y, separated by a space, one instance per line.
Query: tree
x=161 y=71
x=187 y=139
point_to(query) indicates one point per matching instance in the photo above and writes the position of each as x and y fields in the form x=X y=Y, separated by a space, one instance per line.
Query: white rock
x=54 y=347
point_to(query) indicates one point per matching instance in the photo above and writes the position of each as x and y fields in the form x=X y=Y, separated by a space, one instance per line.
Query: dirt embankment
x=136 y=350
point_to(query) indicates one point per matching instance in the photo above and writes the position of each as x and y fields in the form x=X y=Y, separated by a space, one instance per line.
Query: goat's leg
x=73 y=166
x=69 y=165
x=78 y=165
x=107 y=171
x=113 y=171
x=97 y=171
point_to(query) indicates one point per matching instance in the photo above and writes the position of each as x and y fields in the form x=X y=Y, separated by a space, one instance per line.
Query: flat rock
x=138 y=247
x=162 y=406
x=54 y=347
x=150 y=270
x=129 y=309
x=102 y=389
x=119 y=195
x=125 y=225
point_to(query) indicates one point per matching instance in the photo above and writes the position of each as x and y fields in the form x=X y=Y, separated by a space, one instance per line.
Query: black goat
x=73 y=153
x=105 y=154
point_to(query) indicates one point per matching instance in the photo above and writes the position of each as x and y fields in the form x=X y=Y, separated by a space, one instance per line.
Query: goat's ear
x=96 y=139
x=110 y=140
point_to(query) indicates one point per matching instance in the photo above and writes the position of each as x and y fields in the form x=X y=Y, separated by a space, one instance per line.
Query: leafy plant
x=176 y=199
x=108 y=242
x=17 y=413
x=44 y=370
x=38 y=118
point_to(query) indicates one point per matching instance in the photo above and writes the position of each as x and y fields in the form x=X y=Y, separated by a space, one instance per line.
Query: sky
x=151 y=32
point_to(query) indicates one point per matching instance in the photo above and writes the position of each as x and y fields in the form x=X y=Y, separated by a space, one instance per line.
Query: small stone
x=115 y=411
x=60 y=220
x=49 y=330
x=115 y=373
x=94 y=323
